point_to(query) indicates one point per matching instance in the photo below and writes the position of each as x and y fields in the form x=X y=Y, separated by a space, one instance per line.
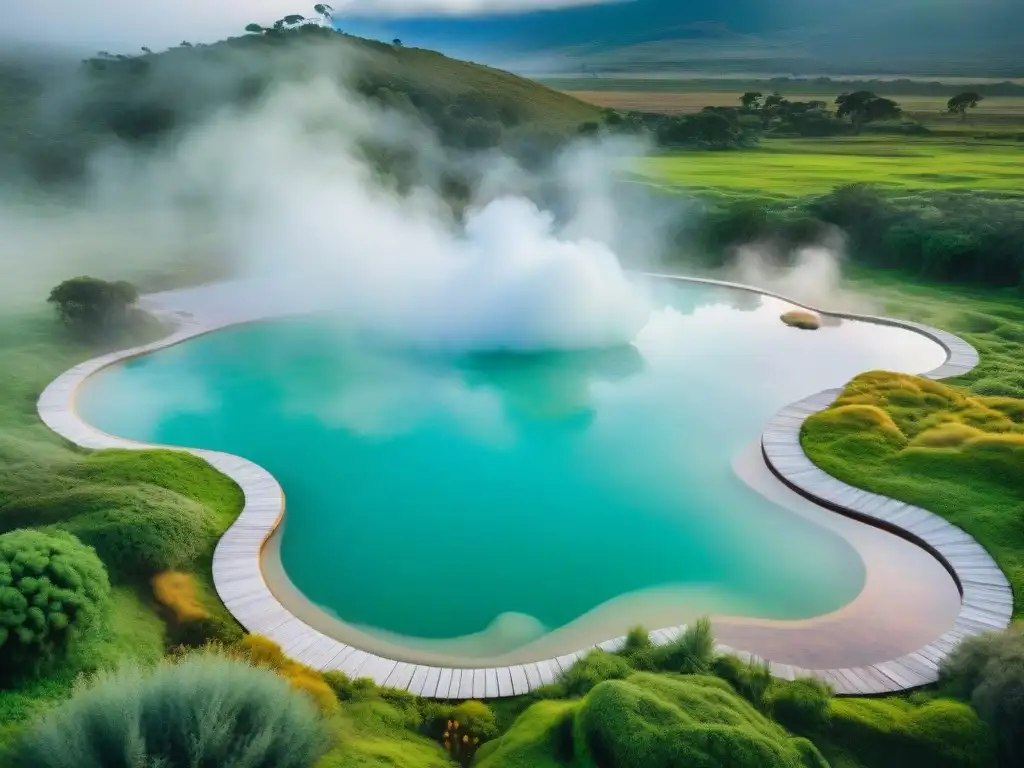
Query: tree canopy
x=865 y=107
x=960 y=103
x=91 y=305
x=751 y=100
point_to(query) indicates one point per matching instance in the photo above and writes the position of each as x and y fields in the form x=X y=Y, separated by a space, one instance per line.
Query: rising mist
x=289 y=188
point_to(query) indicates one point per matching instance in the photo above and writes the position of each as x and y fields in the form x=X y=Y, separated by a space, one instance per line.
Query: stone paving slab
x=987 y=601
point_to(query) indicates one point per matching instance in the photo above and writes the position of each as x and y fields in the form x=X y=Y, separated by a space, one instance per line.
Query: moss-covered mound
x=955 y=453
x=798 y=318
x=144 y=512
x=650 y=721
x=892 y=733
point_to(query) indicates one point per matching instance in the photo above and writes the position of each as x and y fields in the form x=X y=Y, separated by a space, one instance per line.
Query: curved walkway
x=987 y=598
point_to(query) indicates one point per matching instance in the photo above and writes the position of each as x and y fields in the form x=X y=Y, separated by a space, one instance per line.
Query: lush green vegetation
x=142 y=511
x=988 y=671
x=645 y=719
x=52 y=589
x=958 y=454
x=895 y=732
x=946 y=237
x=199 y=711
x=792 y=167
x=266 y=703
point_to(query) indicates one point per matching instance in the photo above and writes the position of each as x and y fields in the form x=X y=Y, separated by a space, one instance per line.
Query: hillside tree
x=959 y=104
x=773 y=106
x=325 y=12
x=863 y=107
x=90 y=305
x=751 y=101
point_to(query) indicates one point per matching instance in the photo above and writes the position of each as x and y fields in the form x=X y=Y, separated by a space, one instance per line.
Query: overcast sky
x=125 y=25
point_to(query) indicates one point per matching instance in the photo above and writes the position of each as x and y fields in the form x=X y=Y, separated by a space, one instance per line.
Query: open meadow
x=928 y=149
x=792 y=167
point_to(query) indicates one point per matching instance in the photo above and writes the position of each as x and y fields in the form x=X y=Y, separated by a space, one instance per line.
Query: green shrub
x=540 y=738
x=802 y=705
x=947 y=253
x=662 y=722
x=370 y=733
x=692 y=652
x=203 y=631
x=405 y=703
x=988 y=671
x=202 y=711
x=53 y=588
x=751 y=680
x=477 y=718
x=946 y=235
x=467 y=727
x=637 y=639
x=891 y=733
x=649 y=721
x=346 y=688
x=597 y=666
x=90 y=305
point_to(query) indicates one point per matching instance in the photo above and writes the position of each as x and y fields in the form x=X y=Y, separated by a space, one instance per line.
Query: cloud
x=369 y=8
x=85 y=26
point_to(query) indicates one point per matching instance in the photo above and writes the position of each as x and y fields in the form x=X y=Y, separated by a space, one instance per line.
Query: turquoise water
x=429 y=495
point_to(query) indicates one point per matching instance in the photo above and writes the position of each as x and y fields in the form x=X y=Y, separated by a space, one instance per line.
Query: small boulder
x=802 y=319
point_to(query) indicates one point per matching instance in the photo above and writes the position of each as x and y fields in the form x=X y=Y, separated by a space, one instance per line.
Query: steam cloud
x=812 y=276
x=285 y=191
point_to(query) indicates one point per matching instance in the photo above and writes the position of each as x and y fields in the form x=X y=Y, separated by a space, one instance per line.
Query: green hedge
x=53 y=588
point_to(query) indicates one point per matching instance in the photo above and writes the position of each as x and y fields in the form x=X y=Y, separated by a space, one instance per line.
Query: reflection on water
x=550 y=386
x=431 y=495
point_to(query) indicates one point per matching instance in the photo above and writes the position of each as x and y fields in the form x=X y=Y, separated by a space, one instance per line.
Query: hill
x=965 y=37
x=54 y=113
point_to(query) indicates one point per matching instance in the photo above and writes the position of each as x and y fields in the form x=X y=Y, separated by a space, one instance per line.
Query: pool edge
x=986 y=596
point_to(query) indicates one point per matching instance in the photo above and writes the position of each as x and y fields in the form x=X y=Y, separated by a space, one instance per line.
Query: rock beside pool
x=799 y=318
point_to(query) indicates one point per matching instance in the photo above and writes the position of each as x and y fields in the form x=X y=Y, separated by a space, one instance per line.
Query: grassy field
x=795 y=167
